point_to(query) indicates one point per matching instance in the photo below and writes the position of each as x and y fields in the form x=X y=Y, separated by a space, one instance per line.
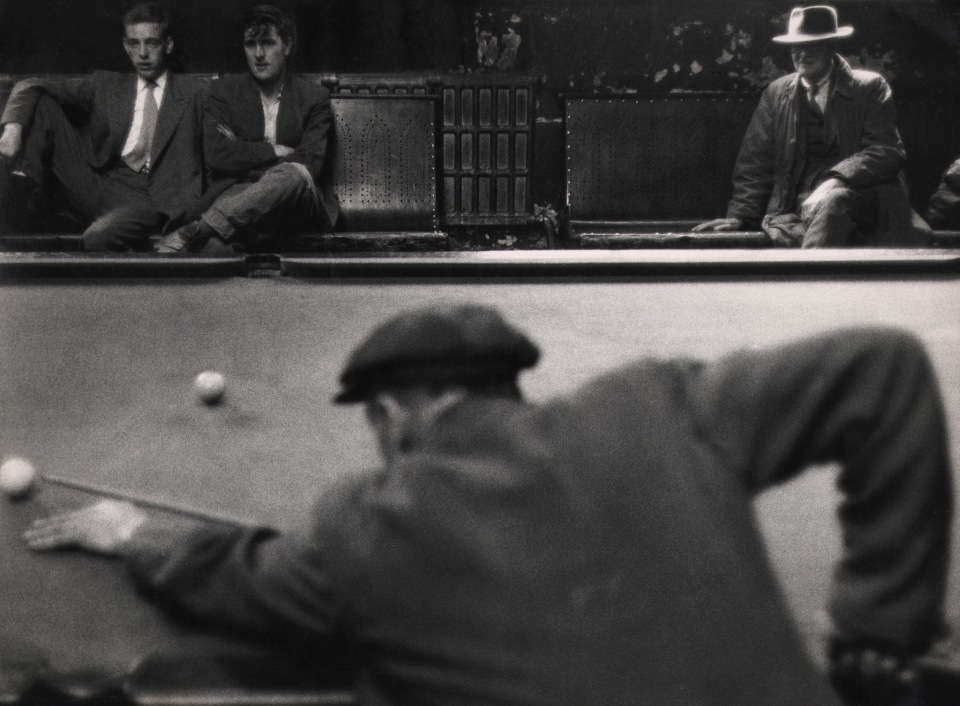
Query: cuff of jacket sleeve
x=750 y=221
x=154 y=543
x=849 y=173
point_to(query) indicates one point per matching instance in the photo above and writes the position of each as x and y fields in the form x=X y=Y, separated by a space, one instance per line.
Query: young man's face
x=266 y=53
x=813 y=61
x=147 y=48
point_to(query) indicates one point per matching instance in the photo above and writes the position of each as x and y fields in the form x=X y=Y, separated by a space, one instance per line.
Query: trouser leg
x=842 y=211
x=285 y=189
x=53 y=143
x=127 y=217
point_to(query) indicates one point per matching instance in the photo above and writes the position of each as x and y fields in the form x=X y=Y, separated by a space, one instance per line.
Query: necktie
x=139 y=158
x=818 y=95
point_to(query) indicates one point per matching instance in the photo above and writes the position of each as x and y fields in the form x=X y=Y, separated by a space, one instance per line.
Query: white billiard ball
x=210 y=386
x=17 y=477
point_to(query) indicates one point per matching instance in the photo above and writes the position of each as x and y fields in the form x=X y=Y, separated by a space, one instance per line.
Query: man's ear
x=436 y=407
x=168 y=46
x=391 y=422
x=384 y=408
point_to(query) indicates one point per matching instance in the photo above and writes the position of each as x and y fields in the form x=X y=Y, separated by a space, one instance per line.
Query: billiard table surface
x=98 y=356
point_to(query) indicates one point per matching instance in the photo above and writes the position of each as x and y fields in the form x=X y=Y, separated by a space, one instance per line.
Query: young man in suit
x=265 y=140
x=136 y=169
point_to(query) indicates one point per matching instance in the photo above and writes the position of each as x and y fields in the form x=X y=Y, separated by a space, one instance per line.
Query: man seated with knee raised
x=265 y=141
x=821 y=162
x=136 y=168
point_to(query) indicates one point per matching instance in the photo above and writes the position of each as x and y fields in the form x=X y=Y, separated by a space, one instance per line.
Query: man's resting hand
x=102 y=528
x=11 y=140
x=720 y=224
x=820 y=193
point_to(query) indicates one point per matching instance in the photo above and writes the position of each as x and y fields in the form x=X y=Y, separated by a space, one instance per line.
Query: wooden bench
x=641 y=171
x=383 y=169
x=382 y=165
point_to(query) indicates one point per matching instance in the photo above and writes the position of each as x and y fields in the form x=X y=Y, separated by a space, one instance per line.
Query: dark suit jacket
x=860 y=120
x=106 y=99
x=304 y=122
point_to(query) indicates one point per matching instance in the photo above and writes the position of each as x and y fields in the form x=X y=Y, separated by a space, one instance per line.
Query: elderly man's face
x=813 y=61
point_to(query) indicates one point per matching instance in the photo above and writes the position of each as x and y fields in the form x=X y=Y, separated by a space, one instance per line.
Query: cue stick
x=145 y=501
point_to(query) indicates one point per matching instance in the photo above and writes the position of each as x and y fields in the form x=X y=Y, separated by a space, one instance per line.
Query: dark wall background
x=652 y=45
x=645 y=46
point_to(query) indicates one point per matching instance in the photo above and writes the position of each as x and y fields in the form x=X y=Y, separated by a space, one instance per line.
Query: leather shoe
x=189 y=238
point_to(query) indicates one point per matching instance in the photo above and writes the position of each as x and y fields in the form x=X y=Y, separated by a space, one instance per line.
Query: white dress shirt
x=271 y=106
x=142 y=88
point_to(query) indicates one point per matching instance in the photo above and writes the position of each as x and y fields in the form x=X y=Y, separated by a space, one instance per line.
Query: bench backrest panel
x=383 y=162
x=930 y=129
x=632 y=158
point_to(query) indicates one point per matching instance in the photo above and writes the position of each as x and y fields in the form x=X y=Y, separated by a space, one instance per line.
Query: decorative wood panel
x=485 y=138
x=664 y=157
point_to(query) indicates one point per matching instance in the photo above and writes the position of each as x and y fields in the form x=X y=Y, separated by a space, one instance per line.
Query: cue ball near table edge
x=18 y=477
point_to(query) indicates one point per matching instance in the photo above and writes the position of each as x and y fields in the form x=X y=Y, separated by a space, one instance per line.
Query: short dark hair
x=152 y=12
x=258 y=18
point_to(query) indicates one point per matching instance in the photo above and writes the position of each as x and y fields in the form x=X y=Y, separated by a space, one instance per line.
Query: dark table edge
x=481 y=264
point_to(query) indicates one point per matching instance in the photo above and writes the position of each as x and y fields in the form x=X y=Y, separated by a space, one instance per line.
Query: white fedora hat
x=816 y=23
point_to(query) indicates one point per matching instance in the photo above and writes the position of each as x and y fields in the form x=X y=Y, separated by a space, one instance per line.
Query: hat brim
x=841 y=33
x=363 y=384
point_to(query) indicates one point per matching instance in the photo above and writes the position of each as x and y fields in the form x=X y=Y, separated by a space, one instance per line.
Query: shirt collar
x=271 y=101
x=843 y=77
x=814 y=88
x=161 y=82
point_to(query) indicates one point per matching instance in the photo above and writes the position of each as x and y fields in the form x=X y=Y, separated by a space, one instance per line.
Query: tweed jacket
x=860 y=120
x=304 y=122
x=602 y=549
x=105 y=100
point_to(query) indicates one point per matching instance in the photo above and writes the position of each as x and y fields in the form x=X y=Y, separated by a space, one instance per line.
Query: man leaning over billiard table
x=596 y=549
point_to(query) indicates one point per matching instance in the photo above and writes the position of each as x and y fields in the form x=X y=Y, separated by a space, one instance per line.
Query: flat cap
x=461 y=343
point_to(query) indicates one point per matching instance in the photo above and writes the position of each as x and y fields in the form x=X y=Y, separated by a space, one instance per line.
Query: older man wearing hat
x=597 y=549
x=820 y=165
